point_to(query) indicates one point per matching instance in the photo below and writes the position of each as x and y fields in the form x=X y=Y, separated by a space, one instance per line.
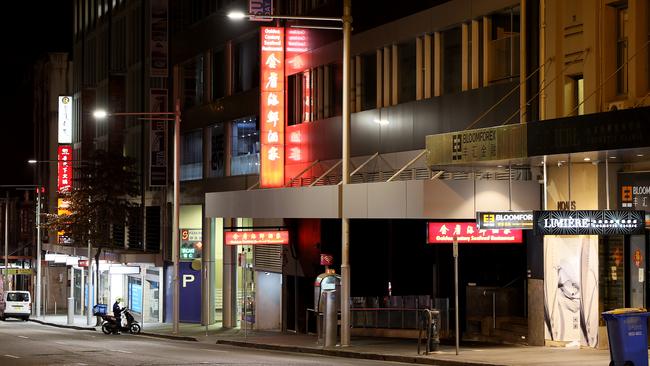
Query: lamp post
x=165 y=116
x=346 y=20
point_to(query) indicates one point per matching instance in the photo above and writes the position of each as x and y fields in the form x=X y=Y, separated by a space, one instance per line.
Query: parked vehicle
x=110 y=323
x=15 y=304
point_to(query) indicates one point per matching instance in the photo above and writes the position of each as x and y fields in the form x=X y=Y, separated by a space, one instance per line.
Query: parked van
x=15 y=304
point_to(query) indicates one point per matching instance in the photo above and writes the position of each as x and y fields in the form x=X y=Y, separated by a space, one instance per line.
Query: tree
x=102 y=194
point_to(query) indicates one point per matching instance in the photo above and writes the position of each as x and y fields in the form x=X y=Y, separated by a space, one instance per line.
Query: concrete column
x=387 y=77
x=394 y=71
x=419 y=90
x=437 y=64
x=487 y=32
x=229 y=284
x=476 y=64
x=428 y=66
x=464 y=45
x=523 y=73
x=207 y=255
x=380 y=77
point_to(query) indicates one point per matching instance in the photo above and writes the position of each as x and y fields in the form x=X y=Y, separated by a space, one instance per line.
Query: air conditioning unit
x=617 y=105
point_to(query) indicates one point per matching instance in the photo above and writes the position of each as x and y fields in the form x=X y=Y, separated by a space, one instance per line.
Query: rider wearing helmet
x=117 y=312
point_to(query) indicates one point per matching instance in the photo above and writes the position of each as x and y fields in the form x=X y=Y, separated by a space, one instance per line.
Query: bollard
x=70 y=310
x=434 y=335
x=331 y=318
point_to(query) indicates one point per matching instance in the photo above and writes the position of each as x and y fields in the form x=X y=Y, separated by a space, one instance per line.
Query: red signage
x=83 y=263
x=468 y=233
x=272 y=107
x=65 y=168
x=256 y=237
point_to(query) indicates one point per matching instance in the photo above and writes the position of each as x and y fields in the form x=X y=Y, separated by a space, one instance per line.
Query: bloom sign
x=256 y=237
x=469 y=233
x=65 y=169
x=272 y=107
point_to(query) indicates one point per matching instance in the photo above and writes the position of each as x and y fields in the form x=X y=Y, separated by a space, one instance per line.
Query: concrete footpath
x=397 y=350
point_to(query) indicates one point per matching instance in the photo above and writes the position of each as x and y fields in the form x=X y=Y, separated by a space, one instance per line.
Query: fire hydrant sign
x=272 y=107
x=469 y=233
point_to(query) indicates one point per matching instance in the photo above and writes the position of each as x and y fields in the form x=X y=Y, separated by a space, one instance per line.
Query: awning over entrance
x=434 y=199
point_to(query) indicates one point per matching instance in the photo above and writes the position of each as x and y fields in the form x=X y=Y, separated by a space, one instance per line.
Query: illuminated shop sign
x=65 y=169
x=505 y=220
x=634 y=193
x=191 y=244
x=257 y=8
x=65 y=120
x=469 y=233
x=256 y=237
x=589 y=222
x=272 y=107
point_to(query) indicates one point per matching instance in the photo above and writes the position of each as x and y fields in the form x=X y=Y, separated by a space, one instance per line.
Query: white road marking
x=12 y=356
x=23 y=337
x=121 y=351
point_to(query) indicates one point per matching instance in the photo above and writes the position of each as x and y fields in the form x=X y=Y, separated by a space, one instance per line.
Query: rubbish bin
x=100 y=309
x=627 y=331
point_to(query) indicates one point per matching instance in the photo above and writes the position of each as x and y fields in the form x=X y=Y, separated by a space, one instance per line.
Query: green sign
x=191 y=244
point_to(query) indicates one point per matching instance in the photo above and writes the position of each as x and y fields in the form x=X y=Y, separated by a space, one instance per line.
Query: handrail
x=326 y=173
x=301 y=173
x=407 y=165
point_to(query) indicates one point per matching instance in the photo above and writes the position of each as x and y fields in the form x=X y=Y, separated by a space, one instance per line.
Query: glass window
x=219 y=75
x=451 y=61
x=246 y=57
x=621 y=50
x=406 y=53
x=192 y=155
x=218 y=151
x=192 y=82
x=335 y=86
x=504 y=45
x=245 y=152
x=369 y=81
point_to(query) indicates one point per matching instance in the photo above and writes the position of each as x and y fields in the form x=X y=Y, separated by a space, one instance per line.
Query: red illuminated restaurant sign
x=256 y=237
x=65 y=168
x=468 y=233
x=272 y=107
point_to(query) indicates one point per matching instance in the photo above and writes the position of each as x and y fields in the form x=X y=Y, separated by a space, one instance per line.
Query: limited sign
x=469 y=233
x=256 y=237
x=505 y=220
x=589 y=222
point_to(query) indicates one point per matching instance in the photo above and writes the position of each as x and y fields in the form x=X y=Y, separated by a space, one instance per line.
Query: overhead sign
x=82 y=263
x=19 y=271
x=589 y=222
x=272 y=107
x=159 y=42
x=257 y=237
x=469 y=233
x=65 y=120
x=483 y=144
x=120 y=269
x=158 y=140
x=505 y=220
x=65 y=169
x=258 y=8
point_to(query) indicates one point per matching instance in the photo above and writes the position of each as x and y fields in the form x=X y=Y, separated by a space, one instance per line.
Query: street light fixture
x=346 y=19
x=166 y=116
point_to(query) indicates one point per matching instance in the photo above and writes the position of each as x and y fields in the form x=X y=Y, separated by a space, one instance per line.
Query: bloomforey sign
x=65 y=120
x=589 y=222
x=65 y=168
x=505 y=220
x=469 y=233
x=272 y=107
x=256 y=237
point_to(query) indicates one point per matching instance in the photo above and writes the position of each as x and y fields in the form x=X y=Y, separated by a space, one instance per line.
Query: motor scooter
x=110 y=325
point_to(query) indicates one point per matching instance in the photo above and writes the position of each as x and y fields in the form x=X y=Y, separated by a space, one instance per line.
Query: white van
x=15 y=304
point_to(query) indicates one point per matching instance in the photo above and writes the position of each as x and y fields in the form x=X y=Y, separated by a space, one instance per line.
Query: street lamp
x=160 y=116
x=346 y=19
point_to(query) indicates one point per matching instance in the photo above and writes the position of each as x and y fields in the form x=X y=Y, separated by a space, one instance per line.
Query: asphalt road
x=28 y=343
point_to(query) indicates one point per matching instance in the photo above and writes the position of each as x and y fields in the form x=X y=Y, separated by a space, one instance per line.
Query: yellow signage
x=483 y=144
x=19 y=271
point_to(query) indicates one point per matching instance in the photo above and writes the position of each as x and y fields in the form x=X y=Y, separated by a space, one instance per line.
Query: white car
x=15 y=304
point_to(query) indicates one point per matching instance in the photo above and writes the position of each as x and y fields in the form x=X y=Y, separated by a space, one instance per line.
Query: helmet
x=119 y=299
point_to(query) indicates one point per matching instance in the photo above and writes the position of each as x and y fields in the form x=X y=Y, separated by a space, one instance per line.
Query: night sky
x=29 y=30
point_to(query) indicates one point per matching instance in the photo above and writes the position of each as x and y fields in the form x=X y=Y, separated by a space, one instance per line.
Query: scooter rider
x=117 y=312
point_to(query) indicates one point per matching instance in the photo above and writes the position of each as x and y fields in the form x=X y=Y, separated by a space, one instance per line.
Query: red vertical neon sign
x=65 y=169
x=272 y=107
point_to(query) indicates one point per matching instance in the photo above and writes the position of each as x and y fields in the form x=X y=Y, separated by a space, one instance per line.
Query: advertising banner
x=135 y=297
x=634 y=193
x=272 y=107
x=505 y=220
x=64 y=168
x=158 y=140
x=469 y=233
x=159 y=39
x=256 y=237
x=65 y=120
x=589 y=222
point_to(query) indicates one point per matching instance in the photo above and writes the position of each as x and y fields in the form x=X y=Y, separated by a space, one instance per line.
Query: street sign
x=82 y=263
x=455 y=242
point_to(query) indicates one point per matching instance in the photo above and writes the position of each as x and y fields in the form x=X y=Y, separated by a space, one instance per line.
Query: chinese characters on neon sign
x=280 y=237
x=65 y=169
x=272 y=107
x=469 y=233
